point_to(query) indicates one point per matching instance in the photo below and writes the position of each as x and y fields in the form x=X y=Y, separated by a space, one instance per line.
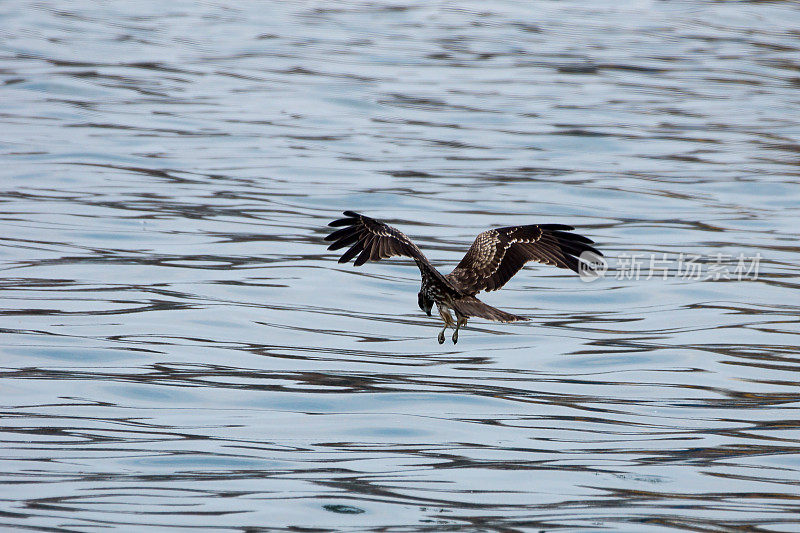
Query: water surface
x=180 y=350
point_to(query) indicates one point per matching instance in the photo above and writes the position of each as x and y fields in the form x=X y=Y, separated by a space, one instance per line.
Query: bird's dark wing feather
x=372 y=240
x=498 y=254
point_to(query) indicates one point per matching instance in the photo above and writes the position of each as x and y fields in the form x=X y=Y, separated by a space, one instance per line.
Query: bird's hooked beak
x=423 y=304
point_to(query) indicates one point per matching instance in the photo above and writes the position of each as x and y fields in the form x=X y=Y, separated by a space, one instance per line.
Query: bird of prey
x=492 y=260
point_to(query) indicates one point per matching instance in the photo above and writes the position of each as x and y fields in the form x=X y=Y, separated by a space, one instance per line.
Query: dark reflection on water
x=180 y=351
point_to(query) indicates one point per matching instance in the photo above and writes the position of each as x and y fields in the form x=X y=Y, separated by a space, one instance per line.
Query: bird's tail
x=471 y=306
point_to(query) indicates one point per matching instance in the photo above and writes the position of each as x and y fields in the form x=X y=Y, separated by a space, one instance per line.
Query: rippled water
x=180 y=350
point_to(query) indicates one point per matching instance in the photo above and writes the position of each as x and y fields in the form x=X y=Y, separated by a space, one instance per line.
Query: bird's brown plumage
x=498 y=254
x=492 y=260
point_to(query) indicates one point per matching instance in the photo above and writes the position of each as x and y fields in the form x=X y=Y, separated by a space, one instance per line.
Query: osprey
x=492 y=260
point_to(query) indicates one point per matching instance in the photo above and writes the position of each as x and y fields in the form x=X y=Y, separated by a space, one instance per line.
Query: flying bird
x=492 y=260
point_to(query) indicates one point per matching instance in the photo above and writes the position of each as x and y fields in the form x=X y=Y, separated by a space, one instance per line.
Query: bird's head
x=425 y=303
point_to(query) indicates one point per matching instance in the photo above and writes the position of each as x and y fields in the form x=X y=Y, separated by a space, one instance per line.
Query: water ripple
x=181 y=351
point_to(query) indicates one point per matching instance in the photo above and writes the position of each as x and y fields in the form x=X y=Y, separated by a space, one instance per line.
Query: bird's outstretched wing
x=498 y=254
x=372 y=240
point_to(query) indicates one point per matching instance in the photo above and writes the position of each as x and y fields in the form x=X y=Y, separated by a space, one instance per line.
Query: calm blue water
x=179 y=350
